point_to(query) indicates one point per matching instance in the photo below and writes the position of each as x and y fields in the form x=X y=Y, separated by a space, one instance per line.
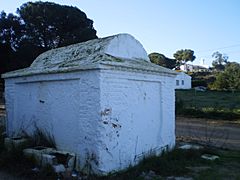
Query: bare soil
x=218 y=133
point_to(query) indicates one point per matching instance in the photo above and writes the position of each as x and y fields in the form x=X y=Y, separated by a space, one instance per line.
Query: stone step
x=2 y=107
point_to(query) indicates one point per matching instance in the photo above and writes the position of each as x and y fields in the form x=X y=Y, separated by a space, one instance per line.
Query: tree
x=183 y=56
x=219 y=60
x=51 y=25
x=40 y=26
x=161 y=60
x=11 y=30
x=229 y=79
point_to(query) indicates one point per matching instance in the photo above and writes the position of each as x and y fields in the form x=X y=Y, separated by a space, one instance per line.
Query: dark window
x=177 y=82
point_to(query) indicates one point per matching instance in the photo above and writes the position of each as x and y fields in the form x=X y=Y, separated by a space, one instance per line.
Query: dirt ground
x=219 y=133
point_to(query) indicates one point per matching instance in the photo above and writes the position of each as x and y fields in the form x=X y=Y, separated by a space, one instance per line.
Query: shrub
x=196 y=83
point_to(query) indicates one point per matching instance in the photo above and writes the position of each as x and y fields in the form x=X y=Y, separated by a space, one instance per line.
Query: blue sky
x=165 y=26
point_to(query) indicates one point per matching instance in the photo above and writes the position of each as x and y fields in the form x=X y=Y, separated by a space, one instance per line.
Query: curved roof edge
x=121 y=50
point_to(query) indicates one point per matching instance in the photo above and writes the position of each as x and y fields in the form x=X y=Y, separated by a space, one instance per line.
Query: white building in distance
x=183 y=81
x=202 y=67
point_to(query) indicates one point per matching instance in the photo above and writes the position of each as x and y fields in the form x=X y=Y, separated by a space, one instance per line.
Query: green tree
x=11 y=30
x=51 y=25
x=183 y=56
x=228 y=79
x=219 y=60
x=40 y=26
x=161 y=60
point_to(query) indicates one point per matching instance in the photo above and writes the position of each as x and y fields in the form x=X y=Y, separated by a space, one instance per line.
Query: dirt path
x=218 y=133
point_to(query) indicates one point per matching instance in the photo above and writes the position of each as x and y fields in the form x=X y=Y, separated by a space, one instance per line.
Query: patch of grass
x=226 y=167
x=47 y=172
x=209 y=113
x=208 y=104
x=168 y=164
x=208 y=175
x=41 y=138
x=14 y=162
x=175 y=163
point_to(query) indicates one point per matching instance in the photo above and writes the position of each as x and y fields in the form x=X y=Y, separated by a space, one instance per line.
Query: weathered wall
x=65 y=105
x=110 y=118
x=137 y=117
x=101 y=99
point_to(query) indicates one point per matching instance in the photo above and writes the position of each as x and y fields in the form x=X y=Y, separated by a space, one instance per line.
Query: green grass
x=176 y=163
x=16 y=164
x=208 y=104
x=227 y=167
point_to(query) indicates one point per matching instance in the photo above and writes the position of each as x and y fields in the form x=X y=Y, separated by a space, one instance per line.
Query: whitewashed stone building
x=183 y=81
x=101 y=99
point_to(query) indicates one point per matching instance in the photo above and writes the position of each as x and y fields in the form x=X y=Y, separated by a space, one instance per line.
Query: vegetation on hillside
x=180 y=57
x=202 y=78
x=162 y=60
x=219 y=61
x=229 y=79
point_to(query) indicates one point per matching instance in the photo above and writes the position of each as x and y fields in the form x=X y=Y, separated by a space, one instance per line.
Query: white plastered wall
x=64 y=105
x=184 y=81
x=138 y=117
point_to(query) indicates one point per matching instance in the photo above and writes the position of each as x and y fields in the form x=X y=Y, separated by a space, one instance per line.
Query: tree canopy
x=161 y=60
x=40 y=26
x=51 y=25
x=229 y=79
x=184 y=55
x=219 y=60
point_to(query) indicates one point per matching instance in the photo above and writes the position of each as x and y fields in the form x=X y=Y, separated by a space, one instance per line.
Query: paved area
x=224 y=134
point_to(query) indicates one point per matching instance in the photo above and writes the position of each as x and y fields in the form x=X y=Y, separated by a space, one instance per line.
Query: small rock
x=36 y=169
x=209 y=157
x=143 y=174
x=183 y=178
x=74 y=174
x=149 y=176
x=179 y=178
x=190 y=146
x=59 y=168
x=151 y=173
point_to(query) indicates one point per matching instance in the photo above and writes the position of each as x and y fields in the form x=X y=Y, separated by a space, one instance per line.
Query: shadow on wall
x=1 y=91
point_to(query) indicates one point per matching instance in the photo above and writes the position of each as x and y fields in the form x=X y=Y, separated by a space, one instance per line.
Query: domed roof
x=118 y=50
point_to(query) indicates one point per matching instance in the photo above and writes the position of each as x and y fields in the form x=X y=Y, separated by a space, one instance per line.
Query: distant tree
x=161 y=60
x=228 y=79
x=219 y=60
x=184 y=55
